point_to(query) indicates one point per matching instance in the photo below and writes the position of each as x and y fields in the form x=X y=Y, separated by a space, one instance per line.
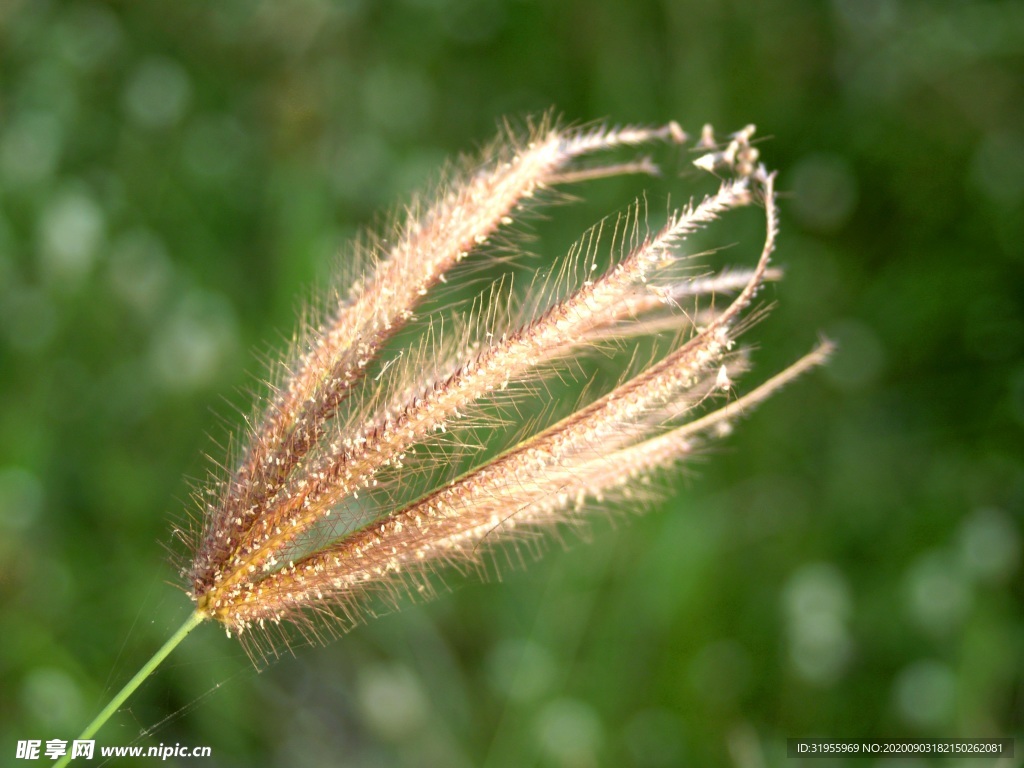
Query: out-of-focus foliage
x=174 y=175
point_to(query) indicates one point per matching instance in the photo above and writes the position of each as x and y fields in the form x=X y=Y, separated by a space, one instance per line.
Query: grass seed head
x=344 y=491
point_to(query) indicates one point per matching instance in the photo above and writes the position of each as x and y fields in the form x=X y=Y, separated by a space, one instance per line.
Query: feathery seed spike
x=338 y=437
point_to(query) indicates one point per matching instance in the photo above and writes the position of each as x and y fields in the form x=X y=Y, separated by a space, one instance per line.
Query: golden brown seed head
x=318 y=515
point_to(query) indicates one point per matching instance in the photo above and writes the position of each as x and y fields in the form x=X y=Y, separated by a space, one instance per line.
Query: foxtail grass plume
x=372 y=462
x=393 y=441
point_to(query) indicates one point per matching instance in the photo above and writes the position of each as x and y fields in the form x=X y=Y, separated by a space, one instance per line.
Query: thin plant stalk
x=193 y=621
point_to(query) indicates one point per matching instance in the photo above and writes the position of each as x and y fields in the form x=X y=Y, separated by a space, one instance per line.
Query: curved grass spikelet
x=317 y=516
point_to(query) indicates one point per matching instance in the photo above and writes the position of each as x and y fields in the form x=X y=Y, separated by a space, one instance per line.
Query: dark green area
x=175 y=176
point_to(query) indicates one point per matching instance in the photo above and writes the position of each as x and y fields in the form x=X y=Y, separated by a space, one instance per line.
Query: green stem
x=193 y=621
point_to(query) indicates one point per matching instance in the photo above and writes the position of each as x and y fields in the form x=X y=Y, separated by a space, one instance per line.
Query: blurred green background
x=175 y=176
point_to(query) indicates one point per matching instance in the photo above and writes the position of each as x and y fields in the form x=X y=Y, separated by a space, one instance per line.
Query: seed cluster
x=286 y=535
